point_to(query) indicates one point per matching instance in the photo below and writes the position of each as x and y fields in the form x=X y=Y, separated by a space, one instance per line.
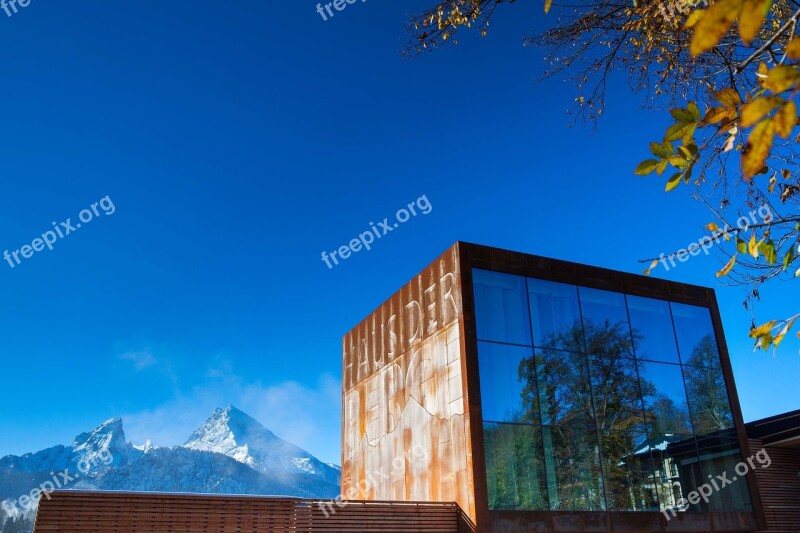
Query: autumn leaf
x=787 y=259
x=786 y=119
x=752 y=246
x=547 y=5
x=712 y=227
x=651 y=267
x=779 y=337
x=727 y=268
x=753 y=14
x=674 y=181
x=682 y=115
x=741 y=245
x=781 y=78
x=717 y=114
x=680 y=130
x=758 y=147
x=715 y=23
x=793 y=49
x=660 y=149
x=728 y=96
x=763 y=329
x=693 y=18
x=646 y=167
x=753 y=111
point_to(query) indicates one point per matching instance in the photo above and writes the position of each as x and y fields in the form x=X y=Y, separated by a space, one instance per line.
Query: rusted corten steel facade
x=412 y=412
x=405 y=421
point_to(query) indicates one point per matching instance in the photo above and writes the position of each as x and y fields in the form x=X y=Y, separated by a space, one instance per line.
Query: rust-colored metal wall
x=405 y=433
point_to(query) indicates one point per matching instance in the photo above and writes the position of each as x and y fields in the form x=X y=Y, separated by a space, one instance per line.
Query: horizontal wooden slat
x=121 y=512
x=779 y=486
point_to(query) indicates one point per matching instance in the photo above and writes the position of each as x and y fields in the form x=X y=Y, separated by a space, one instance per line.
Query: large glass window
x=695 y=333
x=501 y=307
x=502 y=385
x=628 y=471
x=556 y=315
x=664 y=398
x=708 y=399
x=655 y=337
x=572 y=458
x=515 y=467
x=596 y=400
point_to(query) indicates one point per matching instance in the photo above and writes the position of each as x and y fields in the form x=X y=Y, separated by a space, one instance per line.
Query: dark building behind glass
x=549 y=396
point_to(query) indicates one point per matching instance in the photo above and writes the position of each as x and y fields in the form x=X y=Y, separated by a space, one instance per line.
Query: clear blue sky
x=238 y=141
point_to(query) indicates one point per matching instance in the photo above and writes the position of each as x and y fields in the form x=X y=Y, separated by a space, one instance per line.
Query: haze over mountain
x=232 y=453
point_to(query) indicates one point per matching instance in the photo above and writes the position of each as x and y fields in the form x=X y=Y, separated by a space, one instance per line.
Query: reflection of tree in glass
x=558 y=383
x=705 y=386
x=563 y=394
x=513 y=460
x=664 y=415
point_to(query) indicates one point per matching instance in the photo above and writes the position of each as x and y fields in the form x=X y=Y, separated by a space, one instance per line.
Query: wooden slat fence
x=123 y=512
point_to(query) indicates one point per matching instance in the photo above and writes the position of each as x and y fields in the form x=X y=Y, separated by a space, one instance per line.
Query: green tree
x=732 y=94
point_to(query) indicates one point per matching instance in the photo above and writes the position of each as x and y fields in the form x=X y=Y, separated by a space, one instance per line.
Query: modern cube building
x=542 y=395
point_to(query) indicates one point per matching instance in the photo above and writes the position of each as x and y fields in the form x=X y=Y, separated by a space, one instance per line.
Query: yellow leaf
x=758 y=146
x=651 y=267
x=752 y=246
x=761 y=73
x=729 y=97
x=674 y=181
x=693 y=19
x=727 y=268
x=785 y=119
x=793 y=49
x=781 y=78
x=715 y=23
x=712 y=227
x=716 y=114
x=762 y=329
x=547 y=5
x=779 y=337
x=753 y=111
x=753 y=14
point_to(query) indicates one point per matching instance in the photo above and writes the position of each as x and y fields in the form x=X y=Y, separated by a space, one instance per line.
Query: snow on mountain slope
x=231 y=453
x=235 y=434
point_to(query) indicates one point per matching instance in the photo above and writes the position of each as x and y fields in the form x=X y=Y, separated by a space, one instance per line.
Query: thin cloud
x=306 y=416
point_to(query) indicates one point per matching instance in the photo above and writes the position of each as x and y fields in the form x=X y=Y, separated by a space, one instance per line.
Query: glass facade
x=595 y=400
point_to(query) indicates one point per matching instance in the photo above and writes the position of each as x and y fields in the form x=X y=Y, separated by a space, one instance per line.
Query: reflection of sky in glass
x=501 y=307
x=500 y=385
x=599 y=307
x=667 y=380
x=651 y=321
x=692 y=323
x=554 y=309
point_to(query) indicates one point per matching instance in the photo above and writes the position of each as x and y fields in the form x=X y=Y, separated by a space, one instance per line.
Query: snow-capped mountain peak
x=231 y=453
x=103 y=446
x=239 y=436
x=230 y=432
